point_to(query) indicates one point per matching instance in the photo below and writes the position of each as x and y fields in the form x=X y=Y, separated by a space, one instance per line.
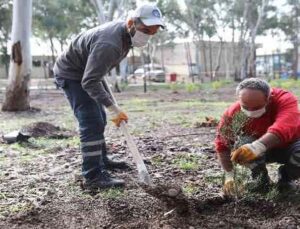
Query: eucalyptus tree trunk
x=98 y=4
x=122 y=13
x=17 y=91
x=204 y=57
x=296 y=43
x=227 y=64
x=217 y=66
x=197 y=59
x=253 y=31
x=243 y=43
x=210 y=60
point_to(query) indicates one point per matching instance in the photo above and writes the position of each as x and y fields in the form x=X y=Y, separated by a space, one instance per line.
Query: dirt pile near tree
x=45 y=129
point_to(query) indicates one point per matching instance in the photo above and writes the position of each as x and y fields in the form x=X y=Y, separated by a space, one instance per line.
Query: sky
x=270 y=43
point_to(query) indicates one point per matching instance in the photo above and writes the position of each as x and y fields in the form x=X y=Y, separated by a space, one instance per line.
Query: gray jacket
x=91 y=55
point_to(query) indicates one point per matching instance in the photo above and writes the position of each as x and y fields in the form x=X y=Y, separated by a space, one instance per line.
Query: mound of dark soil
x=45 y=129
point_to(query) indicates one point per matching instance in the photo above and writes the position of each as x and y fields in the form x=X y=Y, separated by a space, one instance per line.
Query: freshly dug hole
x=173 y=197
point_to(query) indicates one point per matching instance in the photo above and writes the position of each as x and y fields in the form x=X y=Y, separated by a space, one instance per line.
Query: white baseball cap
x=149 y=15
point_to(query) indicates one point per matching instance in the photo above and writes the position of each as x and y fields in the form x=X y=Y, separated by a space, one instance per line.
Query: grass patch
x=190 y=189
x=157 y=160
x=15 y=208
x=27 y=151
x=186 y=162
x=192 y=87
x=214 y=179
x=219 y=84
x=112 y=193
x=285 y=84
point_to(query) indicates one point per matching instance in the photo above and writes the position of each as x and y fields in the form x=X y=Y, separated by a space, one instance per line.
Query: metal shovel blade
x=144 y=176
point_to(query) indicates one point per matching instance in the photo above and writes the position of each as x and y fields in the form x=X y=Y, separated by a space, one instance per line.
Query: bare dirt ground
x=40 y=179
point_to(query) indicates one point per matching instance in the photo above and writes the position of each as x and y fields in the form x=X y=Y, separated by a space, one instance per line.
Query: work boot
x=285 y=184
x=111 y=164
x=103 y=181
x=261 y=181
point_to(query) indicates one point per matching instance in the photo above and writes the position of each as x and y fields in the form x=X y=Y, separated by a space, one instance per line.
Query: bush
x=192 y=87
x=285 y=84
x=218 y=84
x=174 y=87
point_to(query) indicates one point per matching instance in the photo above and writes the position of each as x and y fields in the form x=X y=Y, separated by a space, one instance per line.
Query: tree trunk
x=227 y=64
x=188 y=61
x=210 y=61
x=52 y=49
x=17 y=91
x=6 y=63
x=253 y=32
x=100 y=11
x=298 y=64
x=204 y=58
x=296 y=43
x=162 y=58
x=244 y=61
x=61 y=42
x=123 y=70
x=295 y=60
x=197 y=58
x=217 y=67
x=234 y=48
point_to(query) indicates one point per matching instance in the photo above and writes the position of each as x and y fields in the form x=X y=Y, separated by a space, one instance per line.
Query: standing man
x=263 y=126
x=80 y=72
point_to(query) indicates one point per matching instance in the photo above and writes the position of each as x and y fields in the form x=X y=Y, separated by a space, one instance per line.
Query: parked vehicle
x=152 y=72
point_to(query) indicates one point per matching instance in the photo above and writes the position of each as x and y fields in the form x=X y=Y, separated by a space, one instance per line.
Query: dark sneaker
x=286 y=187
x=260 y=185
x=103 y=181
x=112 y=164
x=261 y=181
x=285 y=184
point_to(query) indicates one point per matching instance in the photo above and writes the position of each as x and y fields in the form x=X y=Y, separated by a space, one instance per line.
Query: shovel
x=143 y=174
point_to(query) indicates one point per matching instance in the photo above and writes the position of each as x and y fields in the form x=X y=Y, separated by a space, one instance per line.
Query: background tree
x=17 y=91
x=108 y=10
x=61 y=19
x=5 y=29
x=249 y=18
x=196 y=22
x=289 y=24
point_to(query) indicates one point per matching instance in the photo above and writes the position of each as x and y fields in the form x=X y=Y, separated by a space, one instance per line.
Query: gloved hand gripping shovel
x=143 y=174
x=171 y=194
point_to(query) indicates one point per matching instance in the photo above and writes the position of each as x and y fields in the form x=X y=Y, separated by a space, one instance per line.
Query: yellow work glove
x=228 y=187
x=248 y=152
x=118 y=115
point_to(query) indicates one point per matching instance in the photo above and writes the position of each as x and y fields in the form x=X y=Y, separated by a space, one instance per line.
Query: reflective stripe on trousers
x=92 y=121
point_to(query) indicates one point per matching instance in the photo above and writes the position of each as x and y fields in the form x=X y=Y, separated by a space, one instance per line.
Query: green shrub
x=186 y=162
x=174 y=87
x=219 y=84
x=192 y=87
x=285 y=84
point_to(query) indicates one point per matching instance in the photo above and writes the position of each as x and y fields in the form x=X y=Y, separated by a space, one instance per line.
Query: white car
x=153 y=72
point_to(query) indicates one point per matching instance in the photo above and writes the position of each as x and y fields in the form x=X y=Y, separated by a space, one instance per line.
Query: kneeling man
x=263 y=126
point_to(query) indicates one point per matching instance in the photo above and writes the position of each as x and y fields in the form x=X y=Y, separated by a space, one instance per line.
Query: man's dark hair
x=137 y=21
x=255 y=84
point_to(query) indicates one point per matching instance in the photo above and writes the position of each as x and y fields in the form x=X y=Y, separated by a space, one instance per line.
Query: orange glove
x=120 y=118
x=230 y=188
x=118 y=115
x=248 y=152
